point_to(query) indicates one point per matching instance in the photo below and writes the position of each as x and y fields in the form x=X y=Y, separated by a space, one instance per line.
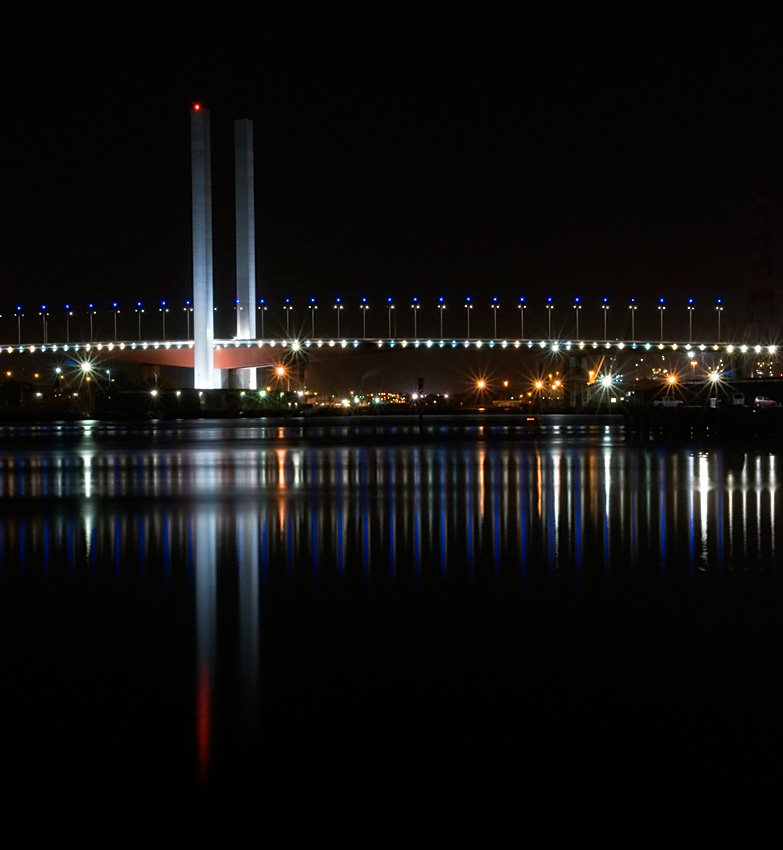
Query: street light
x=338 y=309
x=116 y=310
x=632 y=308
x=549 y=306
x=68 y=314
x=139 y=311
x=605 y=308
x=690 y=320
x=521 y=307
x=719 y=310
x=389 y=308
x=494 y=307
x=19 y=315
x=577 y=308
x=313 y=308
x=262 y=308
x=441 y=308
x=188 y=310
x=287 y=307
x=163 y=310
x=468 y=308
x=415 y=307
x=43 y=315
x=661 y=308
x=364 y=307
x=92 y=313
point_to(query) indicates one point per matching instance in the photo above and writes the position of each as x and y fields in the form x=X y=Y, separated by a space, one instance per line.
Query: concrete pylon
x=203 y=279
x=246 y=240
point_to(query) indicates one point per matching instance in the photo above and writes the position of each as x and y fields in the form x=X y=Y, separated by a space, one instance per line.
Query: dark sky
x=400 y=161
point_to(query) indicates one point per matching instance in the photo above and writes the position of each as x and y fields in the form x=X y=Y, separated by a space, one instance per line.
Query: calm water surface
x=214 y=610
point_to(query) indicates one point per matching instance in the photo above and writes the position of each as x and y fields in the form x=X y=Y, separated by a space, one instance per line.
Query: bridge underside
x=224 y=358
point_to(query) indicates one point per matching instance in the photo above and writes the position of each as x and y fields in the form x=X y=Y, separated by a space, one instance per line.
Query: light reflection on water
x=505 y=501
x=228 y=512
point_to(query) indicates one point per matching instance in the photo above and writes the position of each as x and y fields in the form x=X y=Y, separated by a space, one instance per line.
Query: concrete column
x=203 y=301
x=246 y=239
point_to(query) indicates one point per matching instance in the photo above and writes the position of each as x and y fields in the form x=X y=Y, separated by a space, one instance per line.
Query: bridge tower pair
x=204 y=373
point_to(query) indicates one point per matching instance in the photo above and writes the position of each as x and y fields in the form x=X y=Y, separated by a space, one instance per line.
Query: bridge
x=217 y=361
x=604 y=358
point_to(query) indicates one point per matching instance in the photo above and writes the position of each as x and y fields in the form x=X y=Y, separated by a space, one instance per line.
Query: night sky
x=402 y=161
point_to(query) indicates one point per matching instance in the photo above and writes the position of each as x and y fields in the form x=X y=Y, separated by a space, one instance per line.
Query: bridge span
x=232 y=358
x=244 y=353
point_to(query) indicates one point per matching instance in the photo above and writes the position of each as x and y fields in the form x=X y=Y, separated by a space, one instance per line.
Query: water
x=225 y=611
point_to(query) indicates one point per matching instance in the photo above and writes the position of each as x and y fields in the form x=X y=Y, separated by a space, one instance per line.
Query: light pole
x=719 y=310
x=43 y=315
x=415 y=307
x=632 y=308
x=262 y=309
x=19 y=315
x=287 y=308
x=68 y=314
x=690 y=320
x=549 y=306
x=577 y=308
x=521 y=307
x=163 y=310
x=92 y=314
x=188 y=310
x=495 y=306
x=468 y=308
x=364 y=307
x=661 y=308
x=313 y=308
x=139 y=311
x=605 y=308
x=389 y=308
x=338 y=308
x=116 y=310
x=441 y=308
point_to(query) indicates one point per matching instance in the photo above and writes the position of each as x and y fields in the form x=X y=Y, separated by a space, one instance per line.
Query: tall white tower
x=203 y=301
x=246 y=239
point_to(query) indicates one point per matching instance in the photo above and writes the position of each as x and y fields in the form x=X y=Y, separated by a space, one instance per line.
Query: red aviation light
x=196 y=107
